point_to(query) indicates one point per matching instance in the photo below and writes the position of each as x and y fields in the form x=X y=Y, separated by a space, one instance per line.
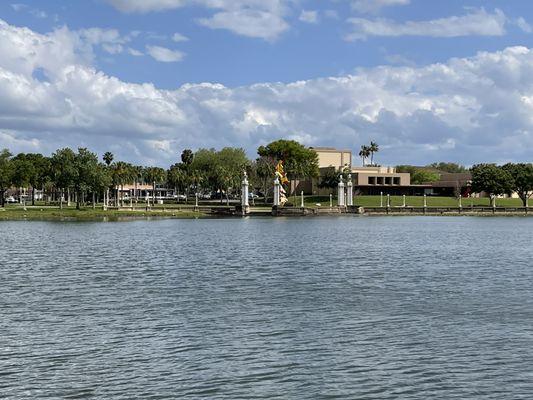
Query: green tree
x=108 y=158
x=373 y=148
x=122 y=173
x=178 y=178
x=187 y=157
x=522 y=179
x=364 y=153
x=262 y=175
x=419 y=175
x=63 y=171
x=31 y=170
x=155 y=175
x=448 y=167
x=491 y=179
x=6 y=174
x=299 y=161
x=329 y=179
x=85 y=176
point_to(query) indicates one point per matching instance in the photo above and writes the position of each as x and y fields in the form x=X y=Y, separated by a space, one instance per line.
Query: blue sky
x=428 y=80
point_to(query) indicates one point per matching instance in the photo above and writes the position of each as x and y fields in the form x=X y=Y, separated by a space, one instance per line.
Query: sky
x=427 y=80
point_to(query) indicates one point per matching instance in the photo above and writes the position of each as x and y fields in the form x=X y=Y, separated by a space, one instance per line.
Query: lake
x=266 y=308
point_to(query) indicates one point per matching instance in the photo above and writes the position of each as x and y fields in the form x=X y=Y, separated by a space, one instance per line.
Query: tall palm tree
x=374 y=148
x=108 y=158
x=122 y=174
x=364 y=153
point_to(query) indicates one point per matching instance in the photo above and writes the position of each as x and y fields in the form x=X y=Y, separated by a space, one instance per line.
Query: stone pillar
x=349 y=191
x=340 y=194
x=276 y=192
x=244 y=195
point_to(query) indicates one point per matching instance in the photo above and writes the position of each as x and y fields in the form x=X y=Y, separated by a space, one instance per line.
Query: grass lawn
x=17 y=212
x=414 y=201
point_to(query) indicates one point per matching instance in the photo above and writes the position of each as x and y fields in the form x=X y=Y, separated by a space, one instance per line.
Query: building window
x=371 y=180
x=380 y=180
x=396 y=180
x=388 y=180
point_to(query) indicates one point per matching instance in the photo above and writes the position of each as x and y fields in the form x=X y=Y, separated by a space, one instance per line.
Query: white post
x=388 y=200
x=276 y=192
x=425 y=201
x=527 y=201
x=381 y=199
x=460 y=201
x=244 y=195
x=302 y=203
x=196 y=200
x=330 y=200
x=349 y=191
x=404 y=201
x=340 y=194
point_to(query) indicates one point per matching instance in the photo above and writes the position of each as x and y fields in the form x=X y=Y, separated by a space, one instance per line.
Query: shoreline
x=88 y=214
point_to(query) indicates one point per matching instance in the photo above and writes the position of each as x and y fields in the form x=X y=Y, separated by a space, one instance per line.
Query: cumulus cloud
x=477 y=22
x=374 y=6
x=178 y=37
x=311 y=16
x=163 y=54
x=467 y=109
x=253 y=18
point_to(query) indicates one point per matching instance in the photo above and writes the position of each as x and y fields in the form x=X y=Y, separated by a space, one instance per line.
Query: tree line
x=81 y=175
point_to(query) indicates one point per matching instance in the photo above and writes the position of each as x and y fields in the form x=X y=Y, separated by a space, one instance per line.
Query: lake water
x=303 y=308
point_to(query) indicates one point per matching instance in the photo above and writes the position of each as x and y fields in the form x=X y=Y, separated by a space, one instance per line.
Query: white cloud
x=19 y=7
x=477 y=22
x=253 y=18
x=245 y=22
x=523 y=24
x=135 y=52
x=311 y=16
x=144 y=6
x=178 y=37
x=163 y=54
x=467 y=109
x=374 y=6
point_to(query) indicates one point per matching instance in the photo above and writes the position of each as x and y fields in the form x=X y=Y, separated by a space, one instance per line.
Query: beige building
x=367 y=179
x=329 y=156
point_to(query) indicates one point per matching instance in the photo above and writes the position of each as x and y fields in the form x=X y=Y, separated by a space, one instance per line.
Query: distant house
x=366 y=180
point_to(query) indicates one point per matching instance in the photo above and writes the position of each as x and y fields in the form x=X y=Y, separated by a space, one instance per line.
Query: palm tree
x=122 y=174
x=108 y=158
x=374 y=148
x=364 y=153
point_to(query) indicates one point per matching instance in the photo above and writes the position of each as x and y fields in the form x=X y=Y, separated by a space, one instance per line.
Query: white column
x=302 y=195
x=404 y=201
x=196 y=200
x=381 y=199
x=276 y=191
x=330 y=200
x=460 y=201
x=244 y=194
x=425 y=201
x=388 y=200
x=349 y=191
x=340 y=194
